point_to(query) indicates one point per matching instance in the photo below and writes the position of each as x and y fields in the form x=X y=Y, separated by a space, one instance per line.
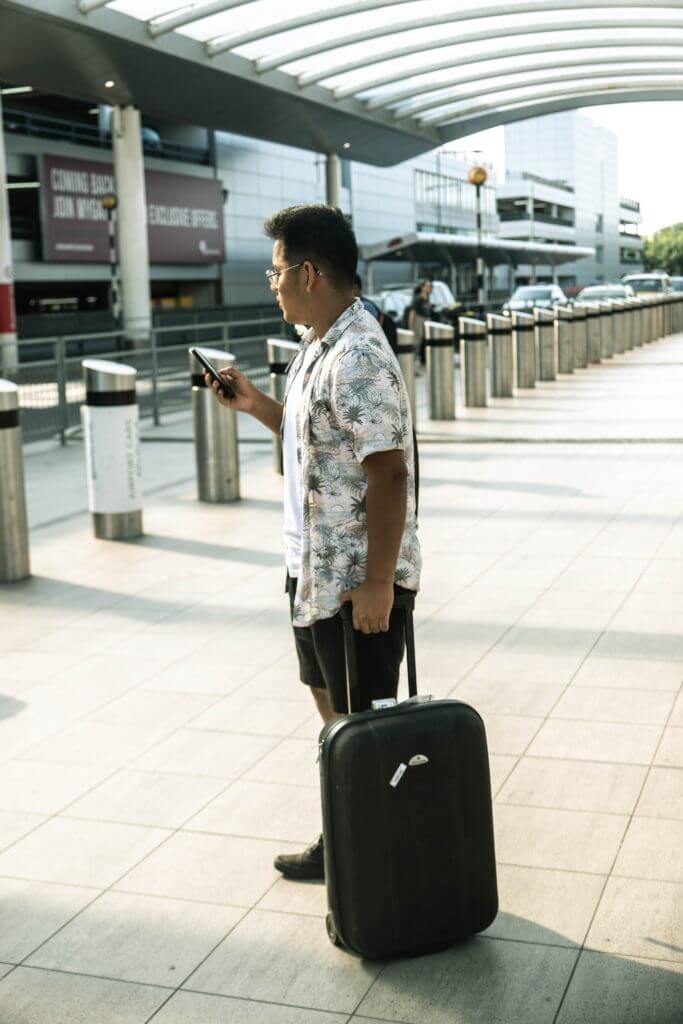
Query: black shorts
x=320 y=649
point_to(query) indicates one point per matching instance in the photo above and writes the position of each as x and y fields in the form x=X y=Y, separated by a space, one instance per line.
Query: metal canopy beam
x=407 y=101
x=291 y=56
x=189 y=14
x=491 y=118
x=482 y=36
x=439 y=111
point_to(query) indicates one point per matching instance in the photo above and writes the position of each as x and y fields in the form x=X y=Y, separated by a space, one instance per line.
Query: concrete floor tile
x=251 y=715
x=83 y=853
x=143 y=707
x=510 y=734
x=615 y=990
x=198 y=752
x=677 y=713
x=263 y=810
x=37 y=666
x=569 y=840
x=512 y=697
x=597 y=741
x=147 y=798
x=98 y=744
x=198 y=673
x=5 y=969
x=191 y=1008
x=547 y=668
x=629 y=673
x=115 y=668
x=662 y=576
x=14 y=825
x=212 y=869
x=41 y=788
x=662 y=795
x=595 y=704
x=285 y=958
x=574 y=785
x=484 y=980
x=500 y=766
x=639 y=918
x=652 y=849
x=30 y=912
x=540 y=905
x=290 y=897
x=670 y=752
x=138 y=938
x=32 y=996
x=292 y=762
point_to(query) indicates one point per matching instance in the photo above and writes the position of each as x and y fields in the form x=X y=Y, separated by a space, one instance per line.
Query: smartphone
x=213 y=372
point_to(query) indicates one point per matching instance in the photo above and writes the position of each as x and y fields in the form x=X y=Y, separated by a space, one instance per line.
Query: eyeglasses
x=274 y=275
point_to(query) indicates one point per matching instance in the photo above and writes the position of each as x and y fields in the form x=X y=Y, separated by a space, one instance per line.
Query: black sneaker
x=307 y=865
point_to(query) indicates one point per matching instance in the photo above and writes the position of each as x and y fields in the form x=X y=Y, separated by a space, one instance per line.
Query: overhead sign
x=184 y=214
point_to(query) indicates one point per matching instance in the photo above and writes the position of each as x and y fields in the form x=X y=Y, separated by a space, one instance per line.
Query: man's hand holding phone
x=244 y=393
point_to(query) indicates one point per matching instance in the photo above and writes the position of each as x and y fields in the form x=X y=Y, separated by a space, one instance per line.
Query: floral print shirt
x=354 y=404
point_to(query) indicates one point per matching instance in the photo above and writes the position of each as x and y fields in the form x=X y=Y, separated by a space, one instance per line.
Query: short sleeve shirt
x=354 y=404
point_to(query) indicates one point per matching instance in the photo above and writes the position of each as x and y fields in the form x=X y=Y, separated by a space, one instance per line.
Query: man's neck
x=330 y=314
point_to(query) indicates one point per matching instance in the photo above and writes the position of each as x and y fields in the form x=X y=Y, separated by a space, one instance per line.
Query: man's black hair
x=317 y=233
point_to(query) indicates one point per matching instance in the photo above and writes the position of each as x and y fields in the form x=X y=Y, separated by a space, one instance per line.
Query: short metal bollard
x=606 y=330
x=564 y=338
x=629 y=324
x=594 y=334
x=502 y=356
x=473 y=351
x=618 y=326
x=640 y=318
x=580 y=331
x=280 y=355
x=405 y=352
x=112 y=449
x=440 y=358
x=651 y=320
x=546 y=348
x=14 y=554
x=215 y=435
x=525 y=345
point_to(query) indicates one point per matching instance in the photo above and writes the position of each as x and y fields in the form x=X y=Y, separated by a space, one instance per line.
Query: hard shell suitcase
x=407 y=820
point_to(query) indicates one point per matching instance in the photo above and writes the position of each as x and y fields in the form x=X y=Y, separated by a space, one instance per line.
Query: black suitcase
x=407 y=820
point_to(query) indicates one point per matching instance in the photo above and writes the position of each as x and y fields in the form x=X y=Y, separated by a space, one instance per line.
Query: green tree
x=664 y=250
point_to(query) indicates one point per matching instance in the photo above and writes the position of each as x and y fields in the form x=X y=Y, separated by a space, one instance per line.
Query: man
x=349 y=494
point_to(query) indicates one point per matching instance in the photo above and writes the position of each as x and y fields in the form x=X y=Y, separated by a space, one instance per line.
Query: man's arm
x=386 y=515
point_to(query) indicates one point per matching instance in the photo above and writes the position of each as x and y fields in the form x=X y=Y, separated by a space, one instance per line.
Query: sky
x=650 y=167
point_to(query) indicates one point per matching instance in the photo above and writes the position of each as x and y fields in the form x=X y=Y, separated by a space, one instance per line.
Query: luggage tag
x=415 y=761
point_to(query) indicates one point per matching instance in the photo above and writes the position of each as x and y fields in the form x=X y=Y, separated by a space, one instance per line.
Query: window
x=451 y=193
x=599 y=253
x=599 y=224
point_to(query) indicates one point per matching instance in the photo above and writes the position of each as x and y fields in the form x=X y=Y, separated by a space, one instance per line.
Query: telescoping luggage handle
x=407 y=603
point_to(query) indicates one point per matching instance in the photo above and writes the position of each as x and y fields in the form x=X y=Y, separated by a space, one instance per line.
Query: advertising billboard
x=184 y=214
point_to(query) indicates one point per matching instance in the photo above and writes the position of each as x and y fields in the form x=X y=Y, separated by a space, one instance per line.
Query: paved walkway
x=156 y=749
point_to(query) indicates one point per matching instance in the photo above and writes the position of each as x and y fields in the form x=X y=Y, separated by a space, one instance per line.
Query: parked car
x=605 y=292
x=395 y=299
x=648 y=284
x=676 y=284
x=544 y=296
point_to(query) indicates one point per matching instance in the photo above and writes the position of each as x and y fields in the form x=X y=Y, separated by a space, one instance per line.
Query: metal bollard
x=593 y=332
x=606 y=330
x=440 y=358
x=525 y=344
x=473 y=350
x=629 y=325
x=580 y=330
x=546 y=351
x=640 y=321
x=405 y=351
x=564 y=338
x=215 y=435
x=618 y=326
x=14 y=556
x=280 y=355
x=651 y=331
x=112 y=449
x=502 y=355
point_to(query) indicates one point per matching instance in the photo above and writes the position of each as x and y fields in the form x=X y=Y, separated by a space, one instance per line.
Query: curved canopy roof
x=407 y=75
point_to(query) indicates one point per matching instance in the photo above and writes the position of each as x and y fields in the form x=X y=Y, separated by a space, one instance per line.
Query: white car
x=541 y=296
x=605 y=293
x=648 y=284
x=395 y=299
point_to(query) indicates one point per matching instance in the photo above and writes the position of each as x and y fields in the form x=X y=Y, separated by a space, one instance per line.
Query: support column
x=332 y=190
x=132 y=223
x=9 y=355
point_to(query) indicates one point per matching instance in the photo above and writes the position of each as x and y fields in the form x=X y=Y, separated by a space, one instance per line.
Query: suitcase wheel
x=329 y=924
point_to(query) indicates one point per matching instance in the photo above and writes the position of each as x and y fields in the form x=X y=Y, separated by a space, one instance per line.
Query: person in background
x=386 y=322
x=419 y=311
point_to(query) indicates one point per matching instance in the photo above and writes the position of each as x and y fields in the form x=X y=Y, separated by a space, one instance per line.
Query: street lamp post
x=477 y=176
x=109 y=203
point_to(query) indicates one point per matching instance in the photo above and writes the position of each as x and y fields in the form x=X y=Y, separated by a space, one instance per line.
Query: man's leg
x=324 y=705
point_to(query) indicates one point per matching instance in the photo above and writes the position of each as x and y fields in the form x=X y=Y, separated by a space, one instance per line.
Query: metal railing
x=51 y=389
